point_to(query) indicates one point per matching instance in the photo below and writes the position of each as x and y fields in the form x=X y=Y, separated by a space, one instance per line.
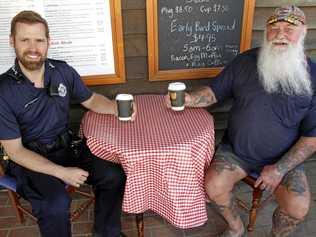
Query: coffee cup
x=176 y=91
x=124 y=106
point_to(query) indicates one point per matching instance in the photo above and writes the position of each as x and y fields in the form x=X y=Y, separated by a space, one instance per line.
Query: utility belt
x=66 y=140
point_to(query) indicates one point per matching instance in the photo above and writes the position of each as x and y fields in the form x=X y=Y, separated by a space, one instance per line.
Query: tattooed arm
x=272 y=175
x=303 y=149
x=200 y=98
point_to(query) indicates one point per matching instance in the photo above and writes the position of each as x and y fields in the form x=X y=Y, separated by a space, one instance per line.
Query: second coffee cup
x=124 y=106
x=176 y=92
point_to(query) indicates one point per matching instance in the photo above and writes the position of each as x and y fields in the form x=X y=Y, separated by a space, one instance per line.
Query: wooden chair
x=9 y=184
x=256 y=203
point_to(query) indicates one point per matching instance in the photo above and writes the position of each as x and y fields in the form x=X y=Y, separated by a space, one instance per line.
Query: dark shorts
x=249 y=168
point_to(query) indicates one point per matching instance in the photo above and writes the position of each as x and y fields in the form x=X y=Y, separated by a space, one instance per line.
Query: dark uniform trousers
x=51 y=203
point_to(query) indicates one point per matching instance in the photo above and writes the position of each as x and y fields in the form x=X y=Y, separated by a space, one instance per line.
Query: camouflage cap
x=289 y=13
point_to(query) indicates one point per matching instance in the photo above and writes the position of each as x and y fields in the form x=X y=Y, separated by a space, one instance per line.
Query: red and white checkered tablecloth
x=164 y=155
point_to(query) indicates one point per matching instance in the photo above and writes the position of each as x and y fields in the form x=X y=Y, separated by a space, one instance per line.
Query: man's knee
x=295 y=205
x=223 y=174
x=221 y=178
x=56 y=206
x=217 y=185
x=107 y=174
x=116 y=176
x=293 y=195
x=297 y=209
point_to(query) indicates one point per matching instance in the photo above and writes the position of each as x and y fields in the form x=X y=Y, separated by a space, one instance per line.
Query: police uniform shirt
x=262 y=126
x=39 y=114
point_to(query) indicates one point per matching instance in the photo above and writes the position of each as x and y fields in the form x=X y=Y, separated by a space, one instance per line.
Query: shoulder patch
x=62 y=90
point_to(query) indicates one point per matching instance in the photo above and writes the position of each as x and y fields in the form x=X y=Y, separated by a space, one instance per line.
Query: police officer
x=35 y=97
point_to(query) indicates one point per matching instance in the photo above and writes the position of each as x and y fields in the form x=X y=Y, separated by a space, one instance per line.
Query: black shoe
x=98 y=235
x=122 y=234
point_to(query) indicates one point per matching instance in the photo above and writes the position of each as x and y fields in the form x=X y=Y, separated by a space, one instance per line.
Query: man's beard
x=30 y=64
x=284 y=70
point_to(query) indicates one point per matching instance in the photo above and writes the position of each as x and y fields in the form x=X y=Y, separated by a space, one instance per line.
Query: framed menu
x=193 y=39
x=86 y=34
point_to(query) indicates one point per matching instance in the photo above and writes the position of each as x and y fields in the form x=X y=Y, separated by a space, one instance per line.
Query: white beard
x=284 y=70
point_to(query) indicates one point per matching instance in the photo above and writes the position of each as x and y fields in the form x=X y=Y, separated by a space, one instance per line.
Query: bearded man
x=272 y=124
x=35 y=95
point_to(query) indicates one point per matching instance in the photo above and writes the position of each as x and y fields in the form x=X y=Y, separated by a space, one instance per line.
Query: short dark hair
x=28 y=17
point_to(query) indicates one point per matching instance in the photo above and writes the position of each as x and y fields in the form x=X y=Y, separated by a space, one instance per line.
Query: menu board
x=85 y=34
x=196 y=38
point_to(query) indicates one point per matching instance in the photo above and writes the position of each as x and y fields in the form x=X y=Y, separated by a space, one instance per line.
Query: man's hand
x=272 y=175
x=168 y=101
x=134 y=111
x=73 y=176
x=202 y=97
x=134 y=107
x=187 y=100
x=269 y=178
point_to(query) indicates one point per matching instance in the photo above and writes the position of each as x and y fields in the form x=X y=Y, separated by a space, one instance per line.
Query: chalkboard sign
x=192 y=39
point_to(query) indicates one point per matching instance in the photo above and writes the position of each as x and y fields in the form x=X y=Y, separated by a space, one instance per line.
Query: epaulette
x=52 y=63
x=14 y=74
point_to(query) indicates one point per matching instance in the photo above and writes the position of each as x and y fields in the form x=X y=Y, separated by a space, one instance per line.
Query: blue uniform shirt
x=32 y=113
x=262 y=126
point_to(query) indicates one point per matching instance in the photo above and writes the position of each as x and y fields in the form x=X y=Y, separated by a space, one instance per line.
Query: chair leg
x=256 y=198
x=140 y=224
x=78 y=212
x=15 y=204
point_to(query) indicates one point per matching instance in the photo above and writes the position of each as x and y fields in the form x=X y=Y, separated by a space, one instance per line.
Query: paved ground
x=156 y=226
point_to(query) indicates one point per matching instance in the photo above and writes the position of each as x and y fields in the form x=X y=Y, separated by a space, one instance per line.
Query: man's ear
x=305 y=29
x=304 y=32
x=12 y=41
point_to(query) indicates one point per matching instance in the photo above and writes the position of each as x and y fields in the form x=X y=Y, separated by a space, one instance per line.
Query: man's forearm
x=302 y=150
x=29 y=159
x=35 y=162
x=101 y=104
x=201 y=98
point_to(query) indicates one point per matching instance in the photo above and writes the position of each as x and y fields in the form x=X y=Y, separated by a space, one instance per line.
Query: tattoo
x=282 y=165
x=302 y=150
x=233 y=208
x=221 y=164
x=283 y=224
x=202 y=98
x=228 y=210
x=294 y=182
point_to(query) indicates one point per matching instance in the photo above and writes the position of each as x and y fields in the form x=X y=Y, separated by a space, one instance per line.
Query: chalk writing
x=198 y=33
